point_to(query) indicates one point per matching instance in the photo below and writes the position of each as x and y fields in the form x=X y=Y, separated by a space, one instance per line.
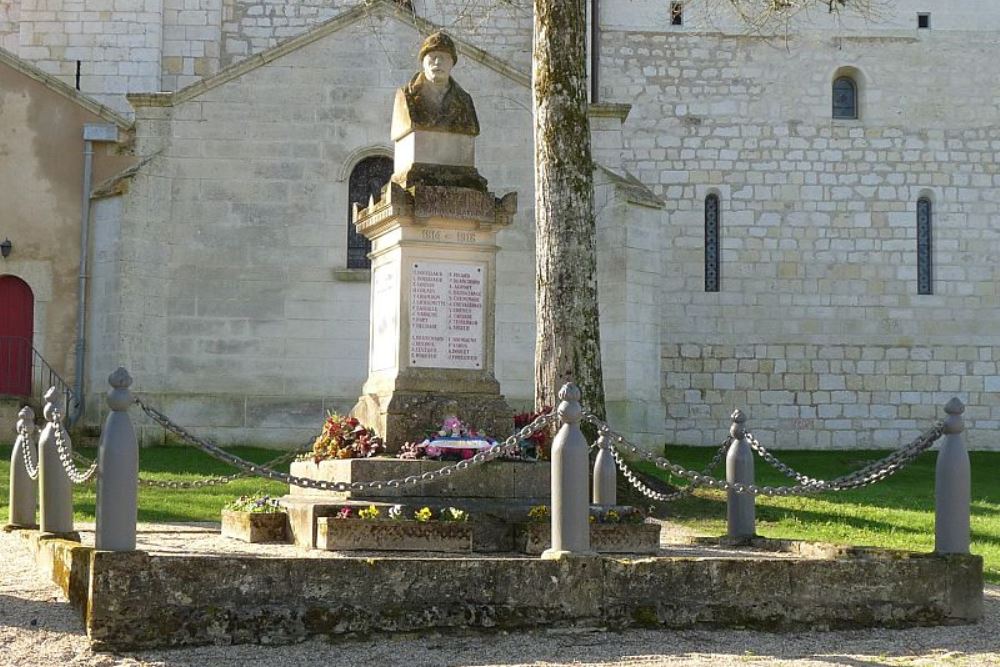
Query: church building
x=800 y=221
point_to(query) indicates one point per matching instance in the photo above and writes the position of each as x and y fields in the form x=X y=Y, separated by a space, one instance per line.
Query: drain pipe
x=92 y=132
x=595 y=49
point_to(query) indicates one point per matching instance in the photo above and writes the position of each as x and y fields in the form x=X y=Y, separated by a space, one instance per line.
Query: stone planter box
x=255 y=526
x=364 y=535
x=631 y=538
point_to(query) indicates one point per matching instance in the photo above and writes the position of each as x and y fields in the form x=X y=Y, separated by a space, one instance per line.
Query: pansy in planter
x=539 y=514
x=257 y=504
x=369 y=513
x=396 y=513
x=423 y=514
x=344 y=513
x=453 y=514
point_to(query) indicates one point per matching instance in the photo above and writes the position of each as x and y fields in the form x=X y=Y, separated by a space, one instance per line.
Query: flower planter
x=632 y=538
x=378 y=535
x=255 y=526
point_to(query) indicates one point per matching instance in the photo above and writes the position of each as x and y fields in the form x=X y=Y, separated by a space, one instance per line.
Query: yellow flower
x=370 y=513
x=423 y=514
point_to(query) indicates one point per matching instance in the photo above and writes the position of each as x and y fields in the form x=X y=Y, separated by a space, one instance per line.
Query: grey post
x=605 y=473
x=739 y=470
x=952 y=486
x=118 y=471
x=570 y=477
x=55 y=487
x=23 y=489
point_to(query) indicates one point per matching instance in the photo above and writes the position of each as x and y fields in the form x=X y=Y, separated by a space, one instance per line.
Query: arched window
x=924 y=220
x=845 y=97
x=367 y=179
x=712 y=243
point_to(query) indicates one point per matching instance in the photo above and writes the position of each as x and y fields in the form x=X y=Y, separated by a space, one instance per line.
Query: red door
x=17 y=311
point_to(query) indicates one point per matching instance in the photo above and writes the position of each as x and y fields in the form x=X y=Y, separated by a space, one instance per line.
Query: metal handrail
x=22 y=366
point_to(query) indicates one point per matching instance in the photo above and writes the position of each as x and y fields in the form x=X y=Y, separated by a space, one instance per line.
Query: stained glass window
x=924 y=246
x=845 y=98
x=712 y=243
x=367 y=179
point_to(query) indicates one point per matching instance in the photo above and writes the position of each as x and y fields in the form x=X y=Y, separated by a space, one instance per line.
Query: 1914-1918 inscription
x=446 y=314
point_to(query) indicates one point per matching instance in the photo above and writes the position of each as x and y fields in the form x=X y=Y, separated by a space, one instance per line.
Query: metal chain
x=644 y=489
x=65 y=455
x=27 y=454
x=412 y=480
x=214 y=481
x=869 y=474
x=779 y=465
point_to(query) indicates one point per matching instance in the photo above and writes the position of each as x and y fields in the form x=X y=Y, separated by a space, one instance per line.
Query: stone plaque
x=446 y=314
x=385 y=279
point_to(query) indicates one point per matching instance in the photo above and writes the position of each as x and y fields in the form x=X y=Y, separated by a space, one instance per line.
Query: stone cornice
x=371 y=7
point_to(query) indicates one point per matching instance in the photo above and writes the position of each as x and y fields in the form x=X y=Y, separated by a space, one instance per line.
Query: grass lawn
x=169 y=463
x=896 y=513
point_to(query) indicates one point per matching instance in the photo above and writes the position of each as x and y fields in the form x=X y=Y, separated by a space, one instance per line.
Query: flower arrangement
x=537 y=444
x=454 y=440
x=397 y=513
x=345 y=438
x=257 y=504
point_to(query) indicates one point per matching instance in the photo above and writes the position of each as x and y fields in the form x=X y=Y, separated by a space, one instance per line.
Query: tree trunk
x=568 y=344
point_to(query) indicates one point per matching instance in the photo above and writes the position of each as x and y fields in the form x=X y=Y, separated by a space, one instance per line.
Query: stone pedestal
x=431 y=353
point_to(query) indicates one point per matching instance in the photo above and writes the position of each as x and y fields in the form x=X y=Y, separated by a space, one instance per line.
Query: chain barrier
x=870 y=474
x=27 y=454
x=258 y=470
x=215 y=481
x=644 y=489
x=778 y=464
x=65 y=455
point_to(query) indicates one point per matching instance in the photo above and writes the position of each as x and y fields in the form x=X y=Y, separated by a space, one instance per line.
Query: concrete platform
x=189 y=586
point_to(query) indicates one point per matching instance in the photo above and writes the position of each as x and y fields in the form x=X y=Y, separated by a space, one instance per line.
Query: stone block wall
x=503 y=29
x=117 y=43
x=192 y=41
x=10 y=18
x=238 y=305
x=818 y=330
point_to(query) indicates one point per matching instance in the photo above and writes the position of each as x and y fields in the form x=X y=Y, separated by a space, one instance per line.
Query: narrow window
x=924 y=20
x=676 y=13
x=712 y=243
x=845 y=98
x=367 y=179
x=924 y=246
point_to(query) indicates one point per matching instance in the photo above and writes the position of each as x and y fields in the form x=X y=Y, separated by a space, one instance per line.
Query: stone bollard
x=952 y=486
x=739 y=470
x=118 y=471
x=54 y=486
x=23 y=489
x=570 y=473
x=605 y=473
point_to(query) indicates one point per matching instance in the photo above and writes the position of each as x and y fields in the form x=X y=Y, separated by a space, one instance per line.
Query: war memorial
x=380 y=532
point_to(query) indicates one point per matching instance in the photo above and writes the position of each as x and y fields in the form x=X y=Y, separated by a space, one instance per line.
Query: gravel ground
x=37 y=627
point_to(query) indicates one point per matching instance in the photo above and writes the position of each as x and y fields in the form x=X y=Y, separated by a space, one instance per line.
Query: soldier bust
x=432 y=100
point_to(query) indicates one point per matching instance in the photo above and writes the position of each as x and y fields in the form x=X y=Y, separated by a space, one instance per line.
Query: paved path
x=37 y=627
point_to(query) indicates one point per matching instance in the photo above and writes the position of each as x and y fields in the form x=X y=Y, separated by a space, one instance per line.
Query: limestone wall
x=192 y=41
x=503 y=29
x=116 y=41
x=818 y=328
x=239 y=306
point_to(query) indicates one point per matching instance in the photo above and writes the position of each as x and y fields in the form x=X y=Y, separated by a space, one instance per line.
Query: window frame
x=925 y=245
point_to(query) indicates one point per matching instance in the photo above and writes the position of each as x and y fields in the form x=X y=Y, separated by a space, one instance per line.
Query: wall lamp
x=5 y=248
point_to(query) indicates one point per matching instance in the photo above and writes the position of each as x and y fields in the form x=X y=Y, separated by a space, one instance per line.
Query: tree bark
x=567 y=344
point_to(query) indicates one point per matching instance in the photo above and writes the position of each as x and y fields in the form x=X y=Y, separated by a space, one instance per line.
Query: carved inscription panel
x=385 y=305
x=446 y=314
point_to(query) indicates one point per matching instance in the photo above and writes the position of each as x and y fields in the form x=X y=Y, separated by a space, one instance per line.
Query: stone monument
x=433 y=234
